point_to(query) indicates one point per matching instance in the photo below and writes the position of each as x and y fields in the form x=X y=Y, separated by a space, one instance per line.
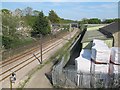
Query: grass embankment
x=55 y=58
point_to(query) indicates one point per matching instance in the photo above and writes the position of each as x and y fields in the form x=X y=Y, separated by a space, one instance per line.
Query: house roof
x=96 y=34
x=103 y=33
x=111 y=28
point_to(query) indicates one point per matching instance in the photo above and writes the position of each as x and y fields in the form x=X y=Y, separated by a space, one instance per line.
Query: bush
x=7 y=41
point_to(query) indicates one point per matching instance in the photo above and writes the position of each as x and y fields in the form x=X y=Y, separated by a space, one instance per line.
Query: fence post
x=78 y=80
x=41 y=46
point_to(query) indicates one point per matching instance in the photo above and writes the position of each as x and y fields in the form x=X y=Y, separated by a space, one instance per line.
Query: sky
x=70 y=10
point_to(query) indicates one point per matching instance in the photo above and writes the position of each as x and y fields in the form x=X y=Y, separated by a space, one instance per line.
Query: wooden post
x=70 y=30
x=10 y=84
x=41 y=46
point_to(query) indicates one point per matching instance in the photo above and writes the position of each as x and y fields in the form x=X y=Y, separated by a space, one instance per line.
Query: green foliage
x=84 y=21
x=91 y=21
x=9 y=24
x=6 y=11
x=29 y=20
x=7 y=41
x=36 y=13
x=10 y=39
x=28 y=11
x=111 y=20
x=81 y=25
x=53 y=17
x=108 y=21
x=41 y=25
x=66 y=21
x=94 y=21
x=98 y=21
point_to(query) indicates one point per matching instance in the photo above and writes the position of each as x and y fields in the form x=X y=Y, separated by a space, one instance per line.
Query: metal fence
x=68 y=77
x=64 y=78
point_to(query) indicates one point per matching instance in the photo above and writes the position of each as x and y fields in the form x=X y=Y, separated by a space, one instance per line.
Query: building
x=112 y=29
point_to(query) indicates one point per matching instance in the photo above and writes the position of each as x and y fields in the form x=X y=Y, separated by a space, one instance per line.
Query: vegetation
x=111 y=20
x=64 y=21
x=53 y=17
x=97 y=21
x=41 y=25
x=9 y=24
x=32 y=22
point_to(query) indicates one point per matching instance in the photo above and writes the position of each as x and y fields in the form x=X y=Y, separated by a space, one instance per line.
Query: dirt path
x=39 y=79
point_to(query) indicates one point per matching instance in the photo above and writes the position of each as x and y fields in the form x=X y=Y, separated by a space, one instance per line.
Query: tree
x=36 y=13
x=53 y=17
x=94 y=21
x=85 y=21
x=41 y=25
x=9 y=23
x=108 y=21
x=6 y=11
x=28 y=11
x=18 y=12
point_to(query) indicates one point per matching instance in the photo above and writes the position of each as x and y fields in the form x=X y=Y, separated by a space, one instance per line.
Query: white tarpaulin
x=97 y=42
x=114 y=75
x=83 y=68
x=100 y=68
x=114 y=69
x=100 y=52
x=115 y=55
x=99 y=76
x=83 y=61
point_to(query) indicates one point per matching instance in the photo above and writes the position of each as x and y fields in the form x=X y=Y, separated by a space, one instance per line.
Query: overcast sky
x=70 y=10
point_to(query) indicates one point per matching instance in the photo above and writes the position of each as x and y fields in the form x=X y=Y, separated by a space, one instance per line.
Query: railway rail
x=7 y=62
x=33 y=59
x=5 y=74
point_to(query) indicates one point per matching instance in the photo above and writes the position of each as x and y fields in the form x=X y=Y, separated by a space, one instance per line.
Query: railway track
x=27 y=52
x=5 y=74
x=7 y=62
x=24 y=54
x=33 y=59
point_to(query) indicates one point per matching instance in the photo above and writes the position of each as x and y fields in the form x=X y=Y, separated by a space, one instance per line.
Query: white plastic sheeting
x=114 y=69
x=99 y=68
x=99 y=76
x=83 y=68
x=83 y=61
x=97 y=42
x=100 y=51
x=115 y=55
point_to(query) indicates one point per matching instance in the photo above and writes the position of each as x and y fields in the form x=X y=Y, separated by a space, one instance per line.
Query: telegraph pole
x=10 y=84
x=41 y=46
x=70 y=30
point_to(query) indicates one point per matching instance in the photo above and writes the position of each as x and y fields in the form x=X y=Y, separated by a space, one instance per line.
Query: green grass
x=94 y=27
x=21 y=42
